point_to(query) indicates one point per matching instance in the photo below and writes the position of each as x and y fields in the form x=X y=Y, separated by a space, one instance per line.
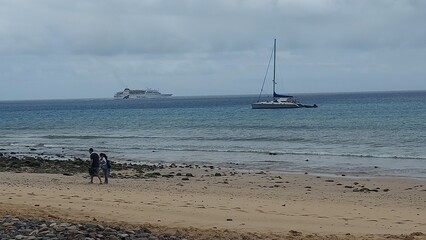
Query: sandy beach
x=211 y=203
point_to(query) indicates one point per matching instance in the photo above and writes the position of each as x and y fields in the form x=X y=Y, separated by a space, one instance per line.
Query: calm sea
x=356 y=134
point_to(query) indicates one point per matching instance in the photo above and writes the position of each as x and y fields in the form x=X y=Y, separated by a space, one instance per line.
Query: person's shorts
x=94 y=171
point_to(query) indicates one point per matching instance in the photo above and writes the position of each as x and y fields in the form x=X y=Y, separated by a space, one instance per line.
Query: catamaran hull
x=280 y=105
x=273 y=105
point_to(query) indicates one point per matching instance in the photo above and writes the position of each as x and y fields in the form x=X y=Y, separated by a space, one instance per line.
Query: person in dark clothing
x=94 y=166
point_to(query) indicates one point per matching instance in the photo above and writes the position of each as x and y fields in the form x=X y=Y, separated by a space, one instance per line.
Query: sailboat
x=278 y=100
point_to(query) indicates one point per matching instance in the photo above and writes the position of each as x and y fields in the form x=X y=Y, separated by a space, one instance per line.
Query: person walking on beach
x=105 y=166
x=94 y=166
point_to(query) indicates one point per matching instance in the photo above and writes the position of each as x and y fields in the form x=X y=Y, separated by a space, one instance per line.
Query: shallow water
x=372 y=134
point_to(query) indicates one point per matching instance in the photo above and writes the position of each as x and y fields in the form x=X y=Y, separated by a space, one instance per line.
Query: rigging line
x=266 y=74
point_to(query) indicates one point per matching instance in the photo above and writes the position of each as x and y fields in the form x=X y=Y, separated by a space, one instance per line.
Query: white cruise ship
x=136 y=94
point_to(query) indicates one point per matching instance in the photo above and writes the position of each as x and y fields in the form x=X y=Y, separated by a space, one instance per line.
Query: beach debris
x=229 y=219
x=295 y=233
x=168 y=175
x=365 y=190
x=217 y=174
x=185 y=179
x=189 y=175
x=152 y=175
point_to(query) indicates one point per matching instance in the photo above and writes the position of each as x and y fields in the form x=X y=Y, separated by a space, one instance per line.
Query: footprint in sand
x=261 y=211
x=240 y=210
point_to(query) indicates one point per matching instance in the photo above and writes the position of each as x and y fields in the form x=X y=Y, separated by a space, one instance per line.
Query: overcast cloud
x=52 y=49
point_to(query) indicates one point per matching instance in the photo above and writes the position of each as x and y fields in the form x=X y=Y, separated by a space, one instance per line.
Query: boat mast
x=273 y=80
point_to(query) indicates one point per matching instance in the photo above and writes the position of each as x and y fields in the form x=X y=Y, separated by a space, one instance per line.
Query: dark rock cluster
x=33 y=229
x=9 y=163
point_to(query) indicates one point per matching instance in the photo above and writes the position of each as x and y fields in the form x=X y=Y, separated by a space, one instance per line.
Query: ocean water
x=356 y=134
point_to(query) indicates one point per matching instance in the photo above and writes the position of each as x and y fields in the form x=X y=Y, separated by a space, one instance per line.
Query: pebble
x=27 y=228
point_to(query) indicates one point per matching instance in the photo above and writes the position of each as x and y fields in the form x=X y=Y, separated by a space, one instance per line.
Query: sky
x=52 y=49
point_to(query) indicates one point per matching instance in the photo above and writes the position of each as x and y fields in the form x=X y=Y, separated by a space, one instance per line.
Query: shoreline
x=210 y=200
x=243 y=167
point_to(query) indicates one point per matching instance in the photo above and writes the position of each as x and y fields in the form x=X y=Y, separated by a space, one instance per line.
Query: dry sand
x=253 y=205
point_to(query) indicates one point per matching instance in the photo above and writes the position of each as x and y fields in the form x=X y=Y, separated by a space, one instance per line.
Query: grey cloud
x=128 y=27
x=211 y=47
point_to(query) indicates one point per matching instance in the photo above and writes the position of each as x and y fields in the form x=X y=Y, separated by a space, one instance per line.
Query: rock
x=7 y=224
x=217 y=174
x=72 y=228
x=295 y=233
x=123 y=235
x=185 y=179
x=189 y=175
